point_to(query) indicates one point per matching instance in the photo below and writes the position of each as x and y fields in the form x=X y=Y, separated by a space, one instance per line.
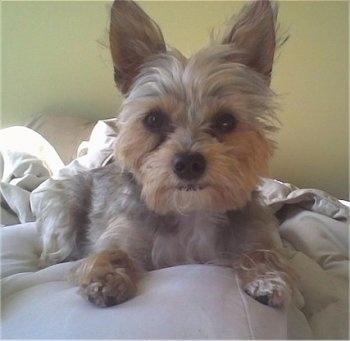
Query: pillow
x=181 y=302
x=65 y=133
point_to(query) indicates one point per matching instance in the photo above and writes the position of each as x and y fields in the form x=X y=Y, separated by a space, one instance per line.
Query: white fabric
x=99 y=152
x=192 y=301
x=27 y=160
x=183 y=302
x=321 y=259
x=277 y=194
x=66 y=133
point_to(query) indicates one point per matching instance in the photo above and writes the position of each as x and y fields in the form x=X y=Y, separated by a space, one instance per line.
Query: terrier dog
x=193 y=142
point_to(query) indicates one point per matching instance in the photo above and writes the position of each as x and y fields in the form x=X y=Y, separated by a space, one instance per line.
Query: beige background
x=54 y=62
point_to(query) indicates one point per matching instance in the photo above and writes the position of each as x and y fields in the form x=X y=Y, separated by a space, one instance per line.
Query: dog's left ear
x=253 y=36
x=133 y=37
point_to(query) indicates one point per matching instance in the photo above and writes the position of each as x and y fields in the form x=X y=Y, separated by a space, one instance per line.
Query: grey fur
x=97 y=199
x=137 y=204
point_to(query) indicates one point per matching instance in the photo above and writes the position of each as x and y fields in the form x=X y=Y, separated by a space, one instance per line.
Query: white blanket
x=192 y=301
x=26 y=160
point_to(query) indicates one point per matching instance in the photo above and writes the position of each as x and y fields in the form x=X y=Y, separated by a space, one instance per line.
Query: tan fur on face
x=234 y=165
x=233 y=170
x=191 y=98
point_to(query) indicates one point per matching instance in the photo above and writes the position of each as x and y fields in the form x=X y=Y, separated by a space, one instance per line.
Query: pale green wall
x=52 y=63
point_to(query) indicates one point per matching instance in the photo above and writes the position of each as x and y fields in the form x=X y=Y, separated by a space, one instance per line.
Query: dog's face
x=193 y=131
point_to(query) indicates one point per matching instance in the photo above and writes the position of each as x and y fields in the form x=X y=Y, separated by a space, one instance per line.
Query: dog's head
x=194 y=131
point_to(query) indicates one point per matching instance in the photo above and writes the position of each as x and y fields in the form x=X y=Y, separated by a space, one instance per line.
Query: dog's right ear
x=133 y=37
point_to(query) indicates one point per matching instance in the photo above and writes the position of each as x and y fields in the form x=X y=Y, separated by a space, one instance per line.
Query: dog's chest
x=195 y=238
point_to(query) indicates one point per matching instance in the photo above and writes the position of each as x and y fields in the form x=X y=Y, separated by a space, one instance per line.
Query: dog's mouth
x=190 y=188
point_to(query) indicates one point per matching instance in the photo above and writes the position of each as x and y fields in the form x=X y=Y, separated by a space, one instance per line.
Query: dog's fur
x=193 y=142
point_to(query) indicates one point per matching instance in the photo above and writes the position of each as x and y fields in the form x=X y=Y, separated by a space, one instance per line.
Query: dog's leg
x=62 y=215
x=265 y=276
x=106 y=278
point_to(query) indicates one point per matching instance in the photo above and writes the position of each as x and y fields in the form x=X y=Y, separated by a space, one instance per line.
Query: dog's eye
x=155 y=120
x=224 y=123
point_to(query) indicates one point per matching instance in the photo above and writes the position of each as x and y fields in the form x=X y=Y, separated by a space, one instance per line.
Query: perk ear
x=133 y=37
x=253 y=36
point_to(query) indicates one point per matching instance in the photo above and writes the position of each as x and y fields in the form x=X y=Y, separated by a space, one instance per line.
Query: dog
x=194 y=140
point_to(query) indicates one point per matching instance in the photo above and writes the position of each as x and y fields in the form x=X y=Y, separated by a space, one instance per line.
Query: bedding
x=66 y=133
x=182 y=302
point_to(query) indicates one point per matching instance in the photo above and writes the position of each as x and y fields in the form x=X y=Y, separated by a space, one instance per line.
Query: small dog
x=193 y=142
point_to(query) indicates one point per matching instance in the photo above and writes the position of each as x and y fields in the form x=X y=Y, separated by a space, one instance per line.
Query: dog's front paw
x=109 y=290
x=266 y=276
x=272 y=291
x=107 y=278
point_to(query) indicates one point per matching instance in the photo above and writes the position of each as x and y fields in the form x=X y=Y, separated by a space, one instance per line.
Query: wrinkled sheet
x=314 y=227
x=26 y=161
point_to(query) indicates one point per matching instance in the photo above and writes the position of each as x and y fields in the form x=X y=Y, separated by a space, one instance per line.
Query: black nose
x=189 y=166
